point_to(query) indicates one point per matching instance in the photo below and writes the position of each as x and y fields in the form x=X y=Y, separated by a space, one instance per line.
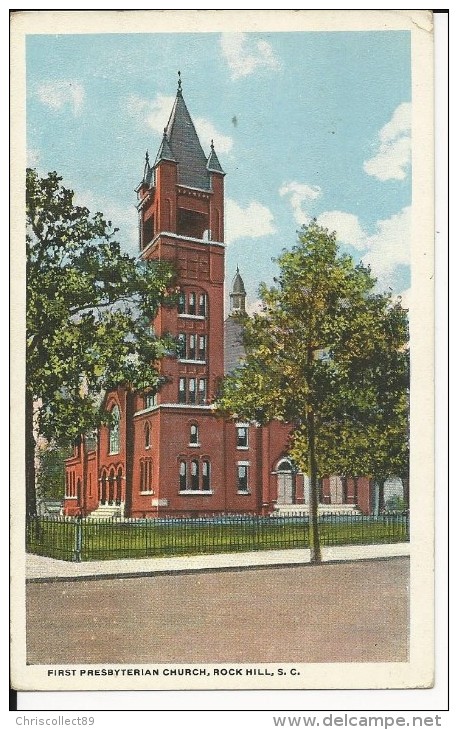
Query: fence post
x=78 y=540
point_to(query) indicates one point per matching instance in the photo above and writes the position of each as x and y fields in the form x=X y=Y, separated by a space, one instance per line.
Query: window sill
x=147 y=448
x=243 y=448
x=151 y=491
x=246 y=492
x=113 y=453
x=191 y=362
x=194 y=492
x=67 y=499
x=192 y=316
x=194 y=446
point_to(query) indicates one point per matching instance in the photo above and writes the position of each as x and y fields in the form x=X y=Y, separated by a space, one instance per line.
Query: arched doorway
x=285 y=482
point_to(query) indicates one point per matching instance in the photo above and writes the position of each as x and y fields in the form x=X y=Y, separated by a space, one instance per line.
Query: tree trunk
x=83 y=504
x=30 y=492
x=314 y=535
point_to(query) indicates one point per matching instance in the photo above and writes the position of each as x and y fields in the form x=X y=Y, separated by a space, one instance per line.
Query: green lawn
x=105 y=540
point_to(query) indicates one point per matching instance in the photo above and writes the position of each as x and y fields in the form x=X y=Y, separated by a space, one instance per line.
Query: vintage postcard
x=222 y=432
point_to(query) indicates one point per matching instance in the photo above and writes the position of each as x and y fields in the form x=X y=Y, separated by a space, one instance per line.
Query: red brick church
x=168 y=454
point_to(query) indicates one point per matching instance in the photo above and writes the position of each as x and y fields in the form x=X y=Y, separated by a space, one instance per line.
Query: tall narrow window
x=182 y=476
x=242 y=437
x=242 y=478
x=150 y=400
x=147 y=436
x=119 y=486
x=181 y=302
x=182 y=391
x=194 y=475
x=114 y=431
x=194 y=435
x=206 y=475
x=202 y=305
x=181 y=349
x=192 y=347
x=103 y=487
x=111 y=486
x=202 y=391
x=192 y=303
x=202 y=347
x=192 y=390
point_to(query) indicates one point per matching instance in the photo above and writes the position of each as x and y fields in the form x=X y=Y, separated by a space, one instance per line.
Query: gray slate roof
x=234 y=351
x=164 y=152
x=185 y=147
x=213 y=164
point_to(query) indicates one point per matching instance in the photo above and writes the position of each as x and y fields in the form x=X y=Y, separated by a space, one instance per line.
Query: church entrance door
x=285 y=483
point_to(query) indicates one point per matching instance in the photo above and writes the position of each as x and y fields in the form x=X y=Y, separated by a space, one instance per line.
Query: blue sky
x=304 y=124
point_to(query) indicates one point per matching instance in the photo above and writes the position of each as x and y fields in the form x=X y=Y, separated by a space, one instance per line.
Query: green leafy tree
x=89 y=313
x=328 y=355
x=50 y=475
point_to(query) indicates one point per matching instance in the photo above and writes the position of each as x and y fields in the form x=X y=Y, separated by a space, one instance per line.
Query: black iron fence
x=90 y=539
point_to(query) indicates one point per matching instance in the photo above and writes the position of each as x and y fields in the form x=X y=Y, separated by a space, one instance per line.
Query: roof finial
x=147 y=157
x=237 y=270
x=212 y=145
x=179 y=82
x=164 y=134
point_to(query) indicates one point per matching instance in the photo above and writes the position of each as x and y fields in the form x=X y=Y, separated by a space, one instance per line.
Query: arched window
x=202 y=305
x=206 y=475
x=194 y=435
x=192 y=303
x=181 y=302
x=119 y=486
x=142 y=475
x=192 y=347
x=182 y=476
x=181 y=345
x=147 y=436
x=192 y=390
x=111 y=486
x=114 y=430
x=202 y=347
x=194 y=475
x=284 y=465
x=103 y=487
x=202 y=391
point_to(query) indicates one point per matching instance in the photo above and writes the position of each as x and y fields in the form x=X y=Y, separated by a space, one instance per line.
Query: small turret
x=238 y=294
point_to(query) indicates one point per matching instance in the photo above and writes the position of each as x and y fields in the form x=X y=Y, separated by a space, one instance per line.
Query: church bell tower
x=181 y=219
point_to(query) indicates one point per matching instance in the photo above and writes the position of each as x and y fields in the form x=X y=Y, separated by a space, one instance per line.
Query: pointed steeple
x=164 y=152
x=181 y=144
x=238 y=294
x=147 y=171
x=213 y=164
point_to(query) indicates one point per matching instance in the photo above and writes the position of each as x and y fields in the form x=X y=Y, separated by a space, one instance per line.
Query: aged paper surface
x=60 y=92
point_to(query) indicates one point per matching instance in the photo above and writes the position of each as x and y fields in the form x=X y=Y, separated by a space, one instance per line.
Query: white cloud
x=406 y=298
x=254 y=307
x=346 y=225
x=58 y=94
x=207 y=132
x=393 y=156
x=389 y=246
x=253 y=221
x=33 y=157
x=123 y=217
x=300 y=193
x=244 y=54
x=156 y=114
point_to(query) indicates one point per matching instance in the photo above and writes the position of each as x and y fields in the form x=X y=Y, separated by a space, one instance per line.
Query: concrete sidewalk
x=40 y=569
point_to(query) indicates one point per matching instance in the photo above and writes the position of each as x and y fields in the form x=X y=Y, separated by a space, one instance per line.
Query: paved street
x=352 y=611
